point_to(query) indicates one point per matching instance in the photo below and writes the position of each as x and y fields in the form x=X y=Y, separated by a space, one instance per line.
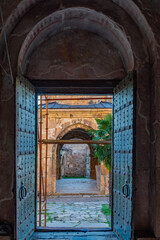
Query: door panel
x=123 y=146
x=25 y=158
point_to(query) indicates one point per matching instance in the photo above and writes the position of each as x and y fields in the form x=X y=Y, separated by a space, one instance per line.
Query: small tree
x=104 y=132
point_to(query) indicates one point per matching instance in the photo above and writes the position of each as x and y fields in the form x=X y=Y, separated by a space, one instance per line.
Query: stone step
x=79 y=194
x=76 y=235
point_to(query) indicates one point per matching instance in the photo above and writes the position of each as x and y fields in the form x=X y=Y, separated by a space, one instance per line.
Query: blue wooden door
x=25 y=158
x=123 y=155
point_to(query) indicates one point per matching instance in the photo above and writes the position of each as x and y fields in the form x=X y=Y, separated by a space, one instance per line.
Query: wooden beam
x=52 y=141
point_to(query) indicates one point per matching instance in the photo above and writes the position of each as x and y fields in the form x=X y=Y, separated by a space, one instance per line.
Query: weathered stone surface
x=76 y=186
x=70 y=55
x=73 y=211
x=102 y=176
x=75 y=160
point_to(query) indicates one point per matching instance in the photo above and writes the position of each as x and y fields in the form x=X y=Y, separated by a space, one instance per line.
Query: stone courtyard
x=77 y=204
x=82 y=211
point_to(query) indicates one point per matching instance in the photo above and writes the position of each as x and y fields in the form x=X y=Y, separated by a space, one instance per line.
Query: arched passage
x=74 y=160
x=72 y=133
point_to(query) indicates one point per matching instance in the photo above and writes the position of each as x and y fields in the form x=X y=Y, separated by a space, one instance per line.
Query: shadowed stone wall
x=75 y=160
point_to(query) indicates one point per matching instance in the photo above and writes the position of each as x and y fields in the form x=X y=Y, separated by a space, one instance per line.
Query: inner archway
x=74 y=133
x=75 y=160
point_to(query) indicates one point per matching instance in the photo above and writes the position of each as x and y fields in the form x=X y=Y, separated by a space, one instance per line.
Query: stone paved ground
x=76 y=212
x=79 y=185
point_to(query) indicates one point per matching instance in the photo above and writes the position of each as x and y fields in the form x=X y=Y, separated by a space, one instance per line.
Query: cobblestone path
x=76 y=212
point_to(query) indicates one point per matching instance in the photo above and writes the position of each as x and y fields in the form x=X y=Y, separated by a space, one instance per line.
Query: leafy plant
x=109 y=223
x=104 y=132
x=49 y=218
x=106 y=210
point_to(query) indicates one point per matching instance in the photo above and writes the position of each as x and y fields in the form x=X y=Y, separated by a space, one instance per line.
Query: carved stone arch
x=77 y=130
x=128 y=6
x=71 y=127
x=76 y=18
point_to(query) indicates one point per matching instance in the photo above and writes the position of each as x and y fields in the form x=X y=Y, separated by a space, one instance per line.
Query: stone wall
x=75 y=160
x=102 y=175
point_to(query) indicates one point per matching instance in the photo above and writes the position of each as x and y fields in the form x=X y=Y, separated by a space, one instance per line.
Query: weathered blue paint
x=25 y=158
x=123 y=158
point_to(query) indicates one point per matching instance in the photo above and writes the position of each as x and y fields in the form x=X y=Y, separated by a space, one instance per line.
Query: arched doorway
x=119 y=219
x=75 y=160
x=75 y=133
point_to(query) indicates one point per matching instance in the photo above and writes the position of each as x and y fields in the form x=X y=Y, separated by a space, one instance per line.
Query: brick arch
x=128 y=6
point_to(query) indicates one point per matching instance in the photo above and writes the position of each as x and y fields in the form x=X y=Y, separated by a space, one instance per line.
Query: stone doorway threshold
x=79 y=194
x=68 y=235
x=76 y=186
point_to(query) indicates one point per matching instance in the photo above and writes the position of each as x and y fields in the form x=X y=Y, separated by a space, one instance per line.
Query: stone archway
x=76 y=18
x=74 y=131
x=72 y=127
x=74 y=160
x=128 y=6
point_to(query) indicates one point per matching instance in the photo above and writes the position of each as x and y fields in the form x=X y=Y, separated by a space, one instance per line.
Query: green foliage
x=104 y=132
x=49 y=218
x=106 y=210
x=109 y=223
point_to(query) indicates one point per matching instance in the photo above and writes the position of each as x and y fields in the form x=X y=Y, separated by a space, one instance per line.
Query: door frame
x=75 y=87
